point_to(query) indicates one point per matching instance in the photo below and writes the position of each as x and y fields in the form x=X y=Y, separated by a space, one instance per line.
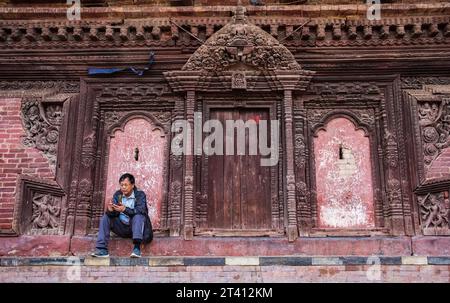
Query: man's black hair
x=127 y=176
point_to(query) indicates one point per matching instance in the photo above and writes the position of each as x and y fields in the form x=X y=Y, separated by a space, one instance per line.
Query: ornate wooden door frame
x=105 y=106
x=272 y=103
x=241 y=56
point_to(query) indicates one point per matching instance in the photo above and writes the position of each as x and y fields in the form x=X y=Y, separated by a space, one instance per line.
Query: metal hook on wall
x=136 y=154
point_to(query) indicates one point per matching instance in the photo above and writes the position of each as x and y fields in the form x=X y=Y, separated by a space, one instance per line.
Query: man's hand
x=109 y=206
x=120 y=207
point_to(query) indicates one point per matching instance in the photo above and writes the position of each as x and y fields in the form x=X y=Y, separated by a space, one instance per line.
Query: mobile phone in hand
x=118 y=200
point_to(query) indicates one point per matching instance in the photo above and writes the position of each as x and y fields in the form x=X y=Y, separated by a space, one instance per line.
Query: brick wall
x=15 y=159
x=440 y=167
x=228 y=274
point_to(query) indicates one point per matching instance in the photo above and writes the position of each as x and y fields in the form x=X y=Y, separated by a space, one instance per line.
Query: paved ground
x=227 y=269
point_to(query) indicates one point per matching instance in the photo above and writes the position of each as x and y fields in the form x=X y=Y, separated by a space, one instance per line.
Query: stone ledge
x=244 y=247
x=36 y=246
x=63 y=246
x=431 y=246
x=225 y=261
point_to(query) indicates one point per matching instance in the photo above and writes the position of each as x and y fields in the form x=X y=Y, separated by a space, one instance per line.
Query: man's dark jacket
x=140 y=207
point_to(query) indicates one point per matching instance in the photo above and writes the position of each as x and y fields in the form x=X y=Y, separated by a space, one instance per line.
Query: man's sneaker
x=136 y=253
x=100 y=253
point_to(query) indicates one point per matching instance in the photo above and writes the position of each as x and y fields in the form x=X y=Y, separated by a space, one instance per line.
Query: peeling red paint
x=343 y=176
x=148 y=169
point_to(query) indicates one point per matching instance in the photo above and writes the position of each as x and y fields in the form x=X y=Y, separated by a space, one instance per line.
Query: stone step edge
x=224 y=261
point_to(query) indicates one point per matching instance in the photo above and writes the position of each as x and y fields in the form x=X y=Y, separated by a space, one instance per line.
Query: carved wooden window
x=434 y=121
x=430 y=109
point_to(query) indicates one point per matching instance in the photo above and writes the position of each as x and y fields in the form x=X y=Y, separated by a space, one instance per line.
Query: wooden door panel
x=255 y=190
x=238 y=186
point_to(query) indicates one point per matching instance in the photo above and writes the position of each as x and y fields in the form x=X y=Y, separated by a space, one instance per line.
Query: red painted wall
x=148 y=170
x=343 y=177
x=15 y=159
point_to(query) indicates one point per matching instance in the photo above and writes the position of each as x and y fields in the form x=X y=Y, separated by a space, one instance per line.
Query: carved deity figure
x=433 y=212
x=428 y=113
x=46 y=211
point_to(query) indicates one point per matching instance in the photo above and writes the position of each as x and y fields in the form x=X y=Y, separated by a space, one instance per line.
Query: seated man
x=127 y=216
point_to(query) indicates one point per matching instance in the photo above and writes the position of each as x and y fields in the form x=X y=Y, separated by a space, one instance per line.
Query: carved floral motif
x=434 y=119
x=394 y=192
x=42 y=127
x=418 y=82
x=112 y=118
x=88 y=151
x=391 y=152
x=163 y=117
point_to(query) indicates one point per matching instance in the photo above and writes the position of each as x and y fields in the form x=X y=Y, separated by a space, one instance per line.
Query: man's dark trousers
x=135 y=230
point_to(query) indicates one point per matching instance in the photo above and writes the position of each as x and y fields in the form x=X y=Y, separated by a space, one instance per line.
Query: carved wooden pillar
x=292 y=231
x=403 y=159
x=300 y=156
x=394 y=177
x=189 y=170
x=81 y=190
x=176 y=181
x=84 y=173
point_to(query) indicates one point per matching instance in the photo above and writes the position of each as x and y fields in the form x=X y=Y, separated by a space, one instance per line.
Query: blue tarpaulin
x=139 y=72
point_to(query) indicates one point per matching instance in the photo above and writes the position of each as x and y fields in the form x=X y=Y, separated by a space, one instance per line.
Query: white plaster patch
x=336 y=214
x=347 y=165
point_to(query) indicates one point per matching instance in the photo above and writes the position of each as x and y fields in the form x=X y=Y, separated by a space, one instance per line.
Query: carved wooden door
x=239 y=188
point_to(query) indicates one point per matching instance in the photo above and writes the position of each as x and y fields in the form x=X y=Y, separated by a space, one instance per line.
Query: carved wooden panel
x=434 y=119
x=430 y=107
x=41 y=208
x=434 y=213
x=428 y=104
x=42 y=122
